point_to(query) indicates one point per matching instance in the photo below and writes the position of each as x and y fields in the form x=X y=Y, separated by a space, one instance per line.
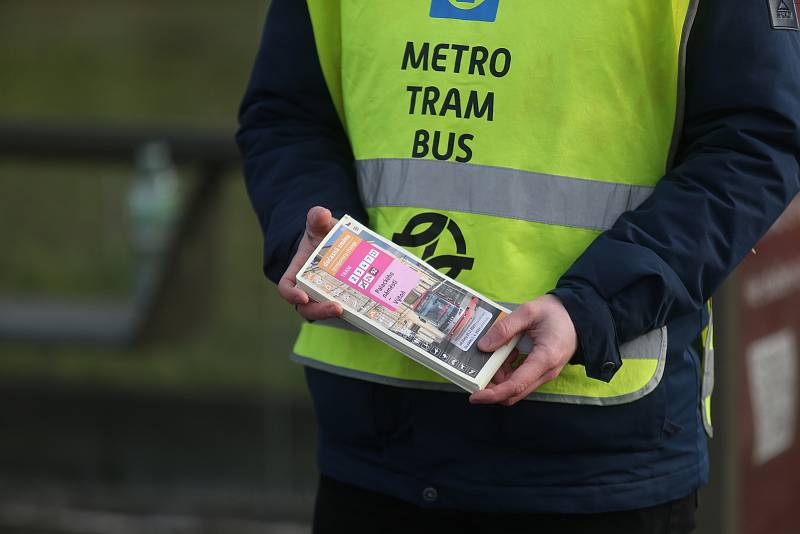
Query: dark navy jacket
x=736 y=169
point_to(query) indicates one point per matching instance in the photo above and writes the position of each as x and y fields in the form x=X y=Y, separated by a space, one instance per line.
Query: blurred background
x=144 y=383
x=144 y=378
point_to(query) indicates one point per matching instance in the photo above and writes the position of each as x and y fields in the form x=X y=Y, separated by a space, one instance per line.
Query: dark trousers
x=342 y=508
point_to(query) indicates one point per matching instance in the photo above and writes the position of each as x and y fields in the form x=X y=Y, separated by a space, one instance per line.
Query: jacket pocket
x=563 y=428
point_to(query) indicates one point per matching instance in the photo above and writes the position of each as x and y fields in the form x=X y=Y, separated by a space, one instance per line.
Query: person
x=601 y=167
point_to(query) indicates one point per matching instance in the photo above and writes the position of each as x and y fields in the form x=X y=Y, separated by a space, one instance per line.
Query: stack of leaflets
x=401 y=300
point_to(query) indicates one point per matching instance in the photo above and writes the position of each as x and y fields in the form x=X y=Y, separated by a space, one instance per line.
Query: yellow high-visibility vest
x=497 y=139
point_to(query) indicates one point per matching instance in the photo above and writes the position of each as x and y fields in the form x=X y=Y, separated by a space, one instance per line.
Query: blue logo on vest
x=483 y=10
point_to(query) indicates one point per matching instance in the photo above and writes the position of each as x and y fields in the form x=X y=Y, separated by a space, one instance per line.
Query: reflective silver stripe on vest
x=707 y=387
x=645 y=347
x=371 y=377
x=655 y=341
x=483 y=190
x=680 y=107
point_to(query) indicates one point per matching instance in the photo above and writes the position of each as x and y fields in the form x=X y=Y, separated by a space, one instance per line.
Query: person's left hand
x=547 y=323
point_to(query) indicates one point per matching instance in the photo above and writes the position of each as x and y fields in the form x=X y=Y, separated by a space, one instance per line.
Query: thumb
x=506 y=328
x=319 y=222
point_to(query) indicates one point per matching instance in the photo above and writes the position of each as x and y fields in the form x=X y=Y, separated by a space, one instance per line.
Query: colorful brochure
x=398 y=298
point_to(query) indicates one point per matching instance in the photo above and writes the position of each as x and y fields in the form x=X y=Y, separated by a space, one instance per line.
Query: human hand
x=319 y=222
x=547 y=323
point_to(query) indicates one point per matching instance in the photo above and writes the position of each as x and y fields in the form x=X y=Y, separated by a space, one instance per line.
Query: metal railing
x=211 y=152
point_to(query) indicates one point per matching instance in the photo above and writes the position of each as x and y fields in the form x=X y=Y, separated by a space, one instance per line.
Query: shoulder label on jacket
x=783 y=14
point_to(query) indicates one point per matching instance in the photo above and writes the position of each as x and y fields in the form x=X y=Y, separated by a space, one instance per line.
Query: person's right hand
x=319 y=222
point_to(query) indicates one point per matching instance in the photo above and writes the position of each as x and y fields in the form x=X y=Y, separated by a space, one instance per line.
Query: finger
x=531 y=379
x=525 y=378
x=289 y=279
x=319 y=311
x=484 y=396
x=288 y=290
x=506 y=369
x=319 y=222
x=507 y=327
x=502 y=374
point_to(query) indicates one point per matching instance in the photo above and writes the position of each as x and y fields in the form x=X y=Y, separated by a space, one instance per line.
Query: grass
x=63 y=227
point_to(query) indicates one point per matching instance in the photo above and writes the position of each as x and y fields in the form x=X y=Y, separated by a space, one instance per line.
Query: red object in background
x=770 y=299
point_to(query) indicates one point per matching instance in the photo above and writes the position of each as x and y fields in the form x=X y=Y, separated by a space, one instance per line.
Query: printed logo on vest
x=434 y=224
x=481 y=10
x=783 y=14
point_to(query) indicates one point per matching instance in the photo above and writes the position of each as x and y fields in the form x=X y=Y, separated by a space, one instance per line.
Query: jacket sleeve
x=295 y=151
x=736 y=171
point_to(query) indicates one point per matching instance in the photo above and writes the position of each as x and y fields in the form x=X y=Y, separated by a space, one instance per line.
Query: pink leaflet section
x=378 y=275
